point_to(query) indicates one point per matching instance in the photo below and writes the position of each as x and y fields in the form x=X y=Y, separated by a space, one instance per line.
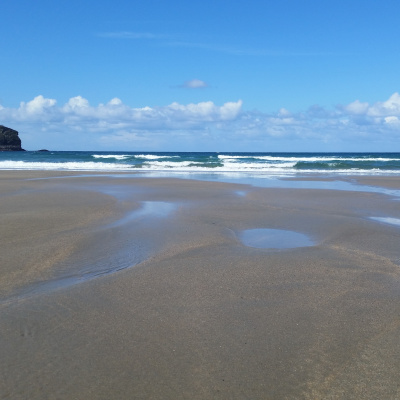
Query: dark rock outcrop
x=9 y=139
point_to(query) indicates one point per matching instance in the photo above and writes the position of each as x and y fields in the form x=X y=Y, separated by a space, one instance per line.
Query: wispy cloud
x=130 y=35
x=168 y=41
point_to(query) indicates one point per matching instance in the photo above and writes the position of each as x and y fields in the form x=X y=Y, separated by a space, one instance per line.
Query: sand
x=199 y=315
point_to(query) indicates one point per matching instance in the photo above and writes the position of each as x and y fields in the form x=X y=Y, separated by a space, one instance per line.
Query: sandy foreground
x=200 y=315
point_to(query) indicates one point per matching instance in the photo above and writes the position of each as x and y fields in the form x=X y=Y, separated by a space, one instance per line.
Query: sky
x=211 y=75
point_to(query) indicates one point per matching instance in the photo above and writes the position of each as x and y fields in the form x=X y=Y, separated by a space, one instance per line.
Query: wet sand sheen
x=203 y=316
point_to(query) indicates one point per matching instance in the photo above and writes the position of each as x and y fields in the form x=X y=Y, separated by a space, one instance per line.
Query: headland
x=9 y=139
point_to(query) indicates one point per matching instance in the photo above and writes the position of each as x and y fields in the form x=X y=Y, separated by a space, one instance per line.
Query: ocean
x=274 y=164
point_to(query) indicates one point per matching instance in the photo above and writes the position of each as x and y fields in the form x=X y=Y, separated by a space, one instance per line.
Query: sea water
x=261 y=164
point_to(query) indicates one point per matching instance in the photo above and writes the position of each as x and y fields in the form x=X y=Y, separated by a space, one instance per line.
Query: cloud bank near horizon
x=183 y=125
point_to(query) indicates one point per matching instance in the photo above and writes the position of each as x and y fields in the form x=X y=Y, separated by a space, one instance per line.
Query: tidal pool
x=274 y=239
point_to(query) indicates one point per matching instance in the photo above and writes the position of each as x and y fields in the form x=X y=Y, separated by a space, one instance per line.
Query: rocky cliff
x=9 y=139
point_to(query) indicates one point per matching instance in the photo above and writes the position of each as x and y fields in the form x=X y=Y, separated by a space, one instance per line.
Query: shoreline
x=201 y=315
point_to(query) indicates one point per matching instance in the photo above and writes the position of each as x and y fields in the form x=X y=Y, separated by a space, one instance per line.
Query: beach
x=130 y=287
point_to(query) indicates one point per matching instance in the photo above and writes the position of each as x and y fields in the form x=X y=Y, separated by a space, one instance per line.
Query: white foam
x=306 y=159
x=153 y=156
x=257 y=166
x=70 y=166
x=125 y=156
x=115 y=156
x=188 y=166
x=223 y=157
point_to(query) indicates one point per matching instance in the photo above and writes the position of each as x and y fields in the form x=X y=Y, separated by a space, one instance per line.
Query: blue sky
x=212 y=75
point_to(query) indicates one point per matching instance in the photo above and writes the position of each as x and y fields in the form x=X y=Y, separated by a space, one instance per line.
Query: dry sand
x=201 y=316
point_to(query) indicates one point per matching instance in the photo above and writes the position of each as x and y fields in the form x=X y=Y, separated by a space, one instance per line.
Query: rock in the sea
x=9 y=139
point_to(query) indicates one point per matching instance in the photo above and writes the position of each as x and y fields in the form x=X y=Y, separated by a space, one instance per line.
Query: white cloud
x=387 y=108
x=115 y=123
x=37 y=106
x=194 y=84
x=283 y=112
x=78 y=111
x=204 y=111
x=392 y=120
x=230 y=110
x=357 y=107
x=76 y=103
x=390 y=107
x=115 y=102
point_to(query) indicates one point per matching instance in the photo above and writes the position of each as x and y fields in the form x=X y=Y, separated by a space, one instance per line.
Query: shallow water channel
x=387 y=220
x=112 y=247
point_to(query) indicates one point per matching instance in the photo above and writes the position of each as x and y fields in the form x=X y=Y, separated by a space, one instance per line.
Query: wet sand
x=200 y=315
